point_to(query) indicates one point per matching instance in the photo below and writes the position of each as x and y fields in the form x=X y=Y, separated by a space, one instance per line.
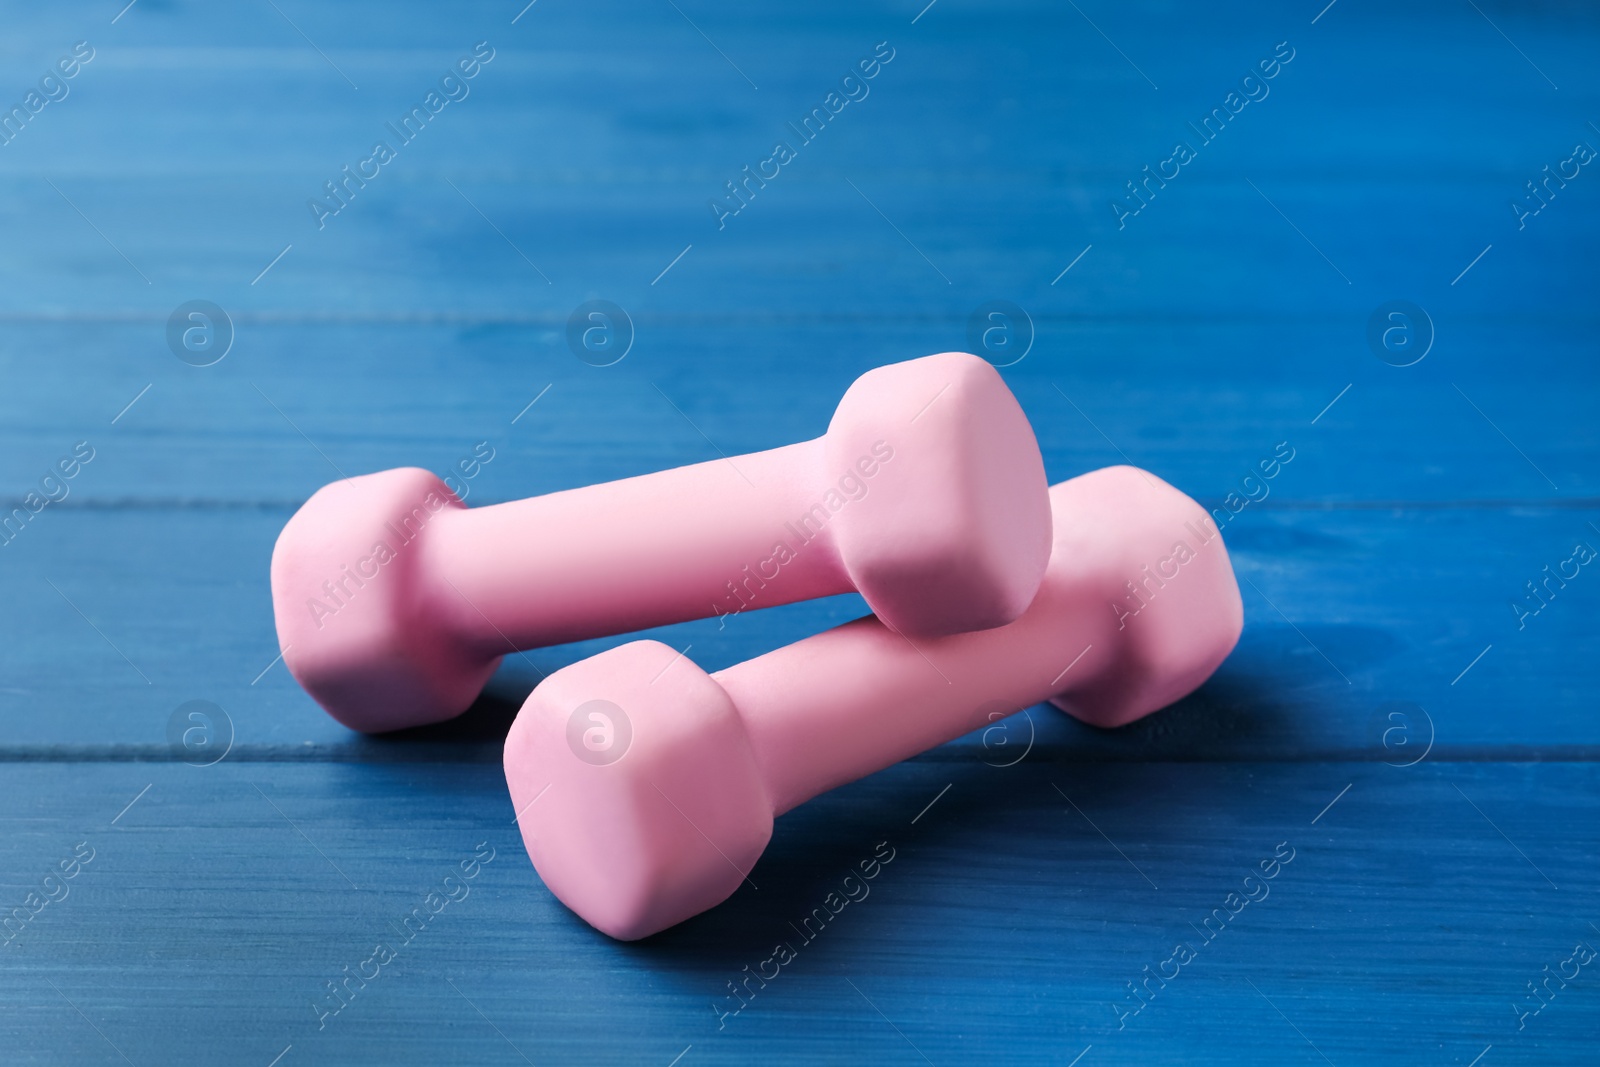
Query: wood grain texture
x=1005 y=926
x=1055 y=862
x=1346 y=612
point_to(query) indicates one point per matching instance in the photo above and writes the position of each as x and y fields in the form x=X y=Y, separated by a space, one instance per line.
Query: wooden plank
x=1346 y=612
x=1008 y=923
x=1199 y=403
x=1214 y=247
x=612 y=177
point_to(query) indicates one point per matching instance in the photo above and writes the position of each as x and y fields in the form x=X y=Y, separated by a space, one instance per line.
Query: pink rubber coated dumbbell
x=646 y=788
x=394 y=602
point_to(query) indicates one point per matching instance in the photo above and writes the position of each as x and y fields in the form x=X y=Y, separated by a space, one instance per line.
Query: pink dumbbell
x=394 y=602
x=646 y=788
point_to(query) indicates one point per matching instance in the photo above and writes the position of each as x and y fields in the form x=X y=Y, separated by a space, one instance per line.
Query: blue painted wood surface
x=1427 y=755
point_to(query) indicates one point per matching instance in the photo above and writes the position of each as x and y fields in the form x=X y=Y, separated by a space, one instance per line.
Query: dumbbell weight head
x=638 y=772
x=1152 y=561
x=357 y=622
x=959 y=537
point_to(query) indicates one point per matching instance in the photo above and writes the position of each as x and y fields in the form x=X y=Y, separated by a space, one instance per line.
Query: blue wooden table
x=1362 y=234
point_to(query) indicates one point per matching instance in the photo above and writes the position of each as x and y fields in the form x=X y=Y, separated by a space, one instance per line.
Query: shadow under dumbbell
x=946 y=816
x=963 y=817
x=477 y=735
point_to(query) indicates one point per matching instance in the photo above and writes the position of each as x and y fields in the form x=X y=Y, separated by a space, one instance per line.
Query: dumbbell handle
x=679 y=544
x=845 y=703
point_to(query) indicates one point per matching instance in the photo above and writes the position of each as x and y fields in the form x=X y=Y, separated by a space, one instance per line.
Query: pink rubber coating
x=1138 y=607
x=927 y=494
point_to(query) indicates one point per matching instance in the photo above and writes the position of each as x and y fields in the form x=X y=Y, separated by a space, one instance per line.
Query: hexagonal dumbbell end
x=927 y=494
x=361 y=622
x=646 y=788
x=637 y=772
x=953 y=533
